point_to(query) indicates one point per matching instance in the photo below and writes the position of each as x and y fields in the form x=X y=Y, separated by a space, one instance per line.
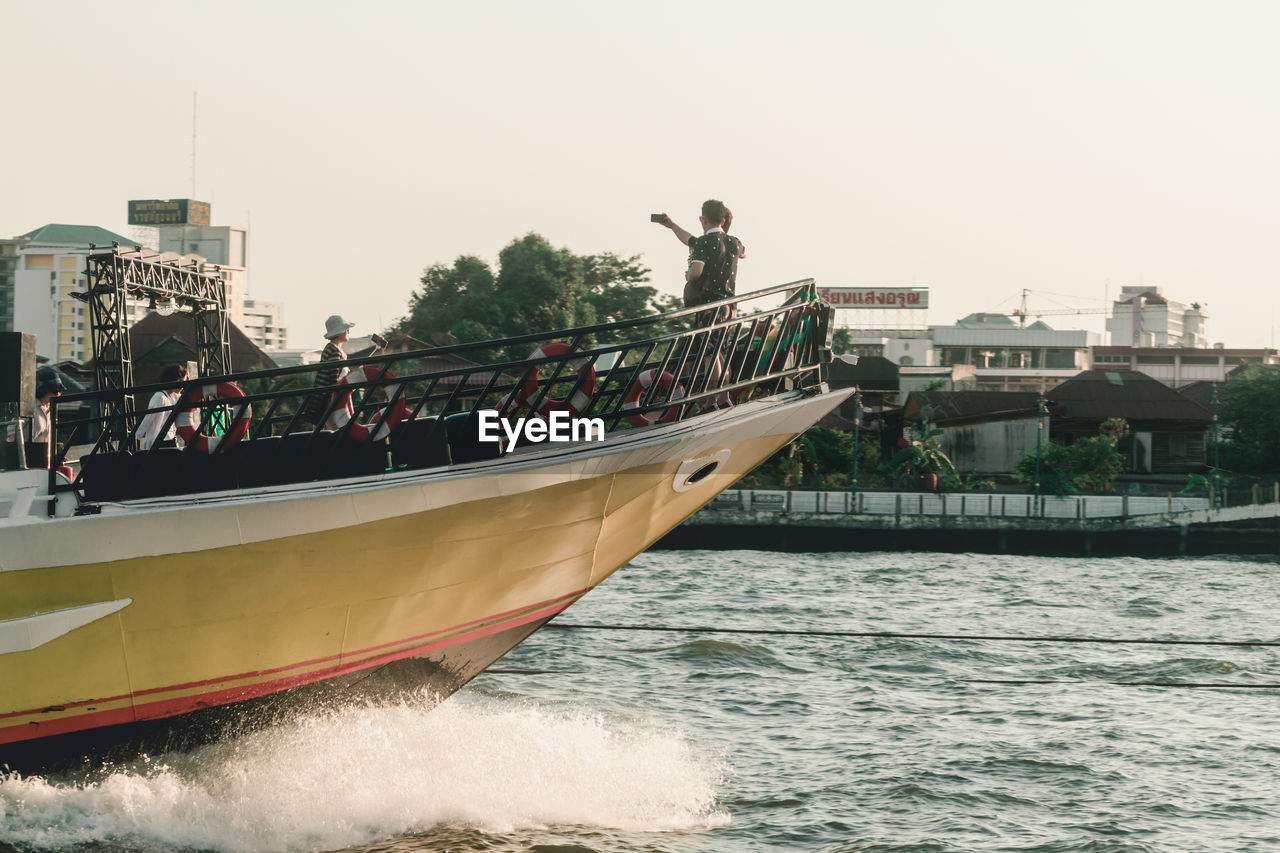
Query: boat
x=153 y=599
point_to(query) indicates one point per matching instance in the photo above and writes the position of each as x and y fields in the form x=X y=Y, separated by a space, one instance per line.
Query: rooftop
x=1128 y=394
x=76 y=235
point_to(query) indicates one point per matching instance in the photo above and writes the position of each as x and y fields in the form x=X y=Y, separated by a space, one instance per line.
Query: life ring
x=638 y=389
x=576 y=404
x=382 y=421
x=186 y=426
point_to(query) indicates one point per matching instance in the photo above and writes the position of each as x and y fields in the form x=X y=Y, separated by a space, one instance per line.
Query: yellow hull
x=213 y=600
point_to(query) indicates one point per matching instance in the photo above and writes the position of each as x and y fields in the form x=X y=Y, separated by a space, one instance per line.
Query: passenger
x=338 y=332
x=149 y=430
x=714 y=255
x=38 y=448
x=711 y=276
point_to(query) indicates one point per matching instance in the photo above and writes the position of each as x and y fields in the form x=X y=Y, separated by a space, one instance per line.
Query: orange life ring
x=641 y=386
x=382 y=421
x=577 y=403
x=186 y=426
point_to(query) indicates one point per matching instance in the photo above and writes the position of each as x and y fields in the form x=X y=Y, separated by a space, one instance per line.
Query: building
x=51 y=263
x=263 y=322
x=1166 y=429
x=990 y=352
x=987 y=432
x=159 y=340
x=1142 y=317
x=46 y=265
x=1179 y=366
x=983 y=432
x=10 y=261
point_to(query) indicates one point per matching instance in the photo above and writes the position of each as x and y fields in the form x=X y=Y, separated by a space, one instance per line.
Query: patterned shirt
x=331 y=364
x=328 y=373
x=719 y=254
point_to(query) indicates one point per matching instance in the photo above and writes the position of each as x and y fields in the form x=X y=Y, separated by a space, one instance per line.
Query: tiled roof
x=76 y=235
x=156 y=331
x=1128 y=394
x=956 y=406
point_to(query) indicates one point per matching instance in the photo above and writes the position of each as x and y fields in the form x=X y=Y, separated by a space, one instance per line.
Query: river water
x=622 y=741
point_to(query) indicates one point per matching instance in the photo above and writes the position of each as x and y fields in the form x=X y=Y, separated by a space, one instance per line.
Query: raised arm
x=682 y=235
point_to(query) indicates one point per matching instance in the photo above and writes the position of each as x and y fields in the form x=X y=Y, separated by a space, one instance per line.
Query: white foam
x=360 y=775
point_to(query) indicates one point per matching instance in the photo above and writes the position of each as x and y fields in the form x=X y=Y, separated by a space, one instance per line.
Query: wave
x=354 y=776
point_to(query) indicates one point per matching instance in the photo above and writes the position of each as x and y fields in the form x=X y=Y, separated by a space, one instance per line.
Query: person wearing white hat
x=338 y=331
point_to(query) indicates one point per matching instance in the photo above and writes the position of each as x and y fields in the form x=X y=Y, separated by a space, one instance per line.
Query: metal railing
x=971 y=504
x=422 y=408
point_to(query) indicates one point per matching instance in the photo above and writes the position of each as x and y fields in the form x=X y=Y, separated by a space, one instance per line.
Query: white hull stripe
x=29 y=632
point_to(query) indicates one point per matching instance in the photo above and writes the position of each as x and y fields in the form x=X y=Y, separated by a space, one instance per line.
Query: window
x=1061 y=358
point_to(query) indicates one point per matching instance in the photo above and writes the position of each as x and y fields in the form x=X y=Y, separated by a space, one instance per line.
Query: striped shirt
x=328 y=374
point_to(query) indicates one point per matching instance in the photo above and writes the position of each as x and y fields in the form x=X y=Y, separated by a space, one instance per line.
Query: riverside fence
x=969 y=504
x=781 y=520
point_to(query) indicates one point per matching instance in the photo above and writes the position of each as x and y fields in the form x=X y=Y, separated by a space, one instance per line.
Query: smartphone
x=657 y=217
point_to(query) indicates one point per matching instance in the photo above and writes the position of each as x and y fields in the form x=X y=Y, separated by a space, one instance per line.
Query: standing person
x=338 y=332
x=711 y=276
x=38 y=449
x=159 y=410
x=713 y=258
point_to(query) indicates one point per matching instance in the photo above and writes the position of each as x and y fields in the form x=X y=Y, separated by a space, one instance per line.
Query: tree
x=819 y=459
x=1091 y=463
x=922 y=462
x=1250 y=409
x=537 y=288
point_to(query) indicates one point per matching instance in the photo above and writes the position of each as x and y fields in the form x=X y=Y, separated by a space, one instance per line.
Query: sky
x=976 y=148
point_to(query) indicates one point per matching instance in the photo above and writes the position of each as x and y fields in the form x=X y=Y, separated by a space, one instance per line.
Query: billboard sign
x=174 y=211
x=883 y=298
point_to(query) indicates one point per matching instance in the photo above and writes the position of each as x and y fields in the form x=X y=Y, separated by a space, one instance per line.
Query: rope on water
x=905 y=636
x=988 y=637
x=1123 y=683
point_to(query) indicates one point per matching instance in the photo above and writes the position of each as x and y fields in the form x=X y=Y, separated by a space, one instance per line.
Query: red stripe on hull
x=174 y=707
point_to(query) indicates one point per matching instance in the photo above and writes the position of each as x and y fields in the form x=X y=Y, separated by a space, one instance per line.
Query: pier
x=1173 y=525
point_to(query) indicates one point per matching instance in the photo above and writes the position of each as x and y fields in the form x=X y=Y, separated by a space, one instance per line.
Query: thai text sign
x=875 y=297
x=175 y=211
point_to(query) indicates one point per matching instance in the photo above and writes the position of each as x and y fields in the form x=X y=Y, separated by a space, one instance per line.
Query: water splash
x=359 y=775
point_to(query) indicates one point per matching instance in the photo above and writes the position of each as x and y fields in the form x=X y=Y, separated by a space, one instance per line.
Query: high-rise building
x=1143 y=317
x=41 y=269
x=9 y=264
x=50 y=266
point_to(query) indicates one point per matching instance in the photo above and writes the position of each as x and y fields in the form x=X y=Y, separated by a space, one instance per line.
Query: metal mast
x=116 y=275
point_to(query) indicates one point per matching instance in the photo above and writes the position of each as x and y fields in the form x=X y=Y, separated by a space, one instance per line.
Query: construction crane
x=1022 y=312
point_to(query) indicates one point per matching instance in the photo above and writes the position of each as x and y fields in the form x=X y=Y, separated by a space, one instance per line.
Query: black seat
x=162 y=471
x=259 y=462
x=106 y=476
x=212 y=472
x=464 y=439
x=327 y=455
x=420 y=443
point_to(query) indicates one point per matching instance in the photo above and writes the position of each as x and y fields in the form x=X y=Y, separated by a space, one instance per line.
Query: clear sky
x=976 y=148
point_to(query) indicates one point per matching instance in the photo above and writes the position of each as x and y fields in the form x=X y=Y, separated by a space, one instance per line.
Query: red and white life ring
x=186 y=425
x=641 y=386
x=577 y=403
x=382 y=421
